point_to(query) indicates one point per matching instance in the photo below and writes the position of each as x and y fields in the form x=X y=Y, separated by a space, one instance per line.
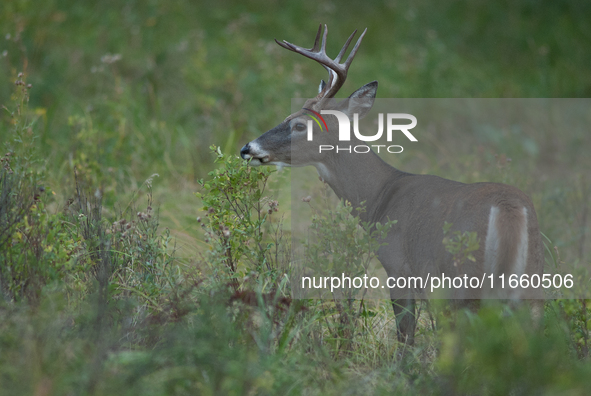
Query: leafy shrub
x=245 y=238
x=37 y=246
x=460 y=244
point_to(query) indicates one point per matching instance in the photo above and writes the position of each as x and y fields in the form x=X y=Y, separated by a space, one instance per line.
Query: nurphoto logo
x=345 y=130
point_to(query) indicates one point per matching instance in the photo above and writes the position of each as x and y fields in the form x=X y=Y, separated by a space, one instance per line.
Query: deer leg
x=404 y=310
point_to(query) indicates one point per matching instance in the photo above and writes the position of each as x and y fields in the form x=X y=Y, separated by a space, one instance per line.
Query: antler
x=337 y=72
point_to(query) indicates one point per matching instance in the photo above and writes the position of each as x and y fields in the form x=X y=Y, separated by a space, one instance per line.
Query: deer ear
x=321 y=86
x=361 y=101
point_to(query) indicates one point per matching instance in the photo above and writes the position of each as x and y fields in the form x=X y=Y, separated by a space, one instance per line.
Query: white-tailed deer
x=502 y=216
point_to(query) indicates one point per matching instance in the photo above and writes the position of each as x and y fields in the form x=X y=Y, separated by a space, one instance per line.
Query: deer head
x=275 y=147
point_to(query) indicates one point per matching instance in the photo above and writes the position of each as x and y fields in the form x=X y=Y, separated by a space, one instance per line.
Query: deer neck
x=358 y=178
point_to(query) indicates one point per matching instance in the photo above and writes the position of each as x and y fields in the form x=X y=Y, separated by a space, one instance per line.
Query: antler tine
x=323 y=49
x=315 y=48
x=337 y=72
x=354 y=50
x=344 y=49
x=296 y=48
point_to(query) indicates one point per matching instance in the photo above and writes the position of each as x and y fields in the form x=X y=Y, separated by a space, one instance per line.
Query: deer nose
x=245 y=151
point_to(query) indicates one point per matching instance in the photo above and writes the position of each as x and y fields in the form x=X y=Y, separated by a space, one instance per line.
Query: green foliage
x=38 y=251
x=240 y=224
x=39 y=247
x=139 y=259
x=87 y=153
x=492 y=353
x=460 y=244
x=36 y=246
x=340 y=244
x=577 y=322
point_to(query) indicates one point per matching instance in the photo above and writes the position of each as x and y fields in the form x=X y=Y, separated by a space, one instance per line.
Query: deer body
x=502 y=216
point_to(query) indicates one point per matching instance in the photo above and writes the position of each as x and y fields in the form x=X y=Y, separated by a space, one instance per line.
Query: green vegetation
x=116 y=279
x=460 y=245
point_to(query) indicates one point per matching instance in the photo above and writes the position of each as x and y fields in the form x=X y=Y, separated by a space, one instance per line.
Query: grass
x=120 y=92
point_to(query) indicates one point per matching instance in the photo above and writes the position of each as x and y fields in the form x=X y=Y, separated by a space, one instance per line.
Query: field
x=139 y=255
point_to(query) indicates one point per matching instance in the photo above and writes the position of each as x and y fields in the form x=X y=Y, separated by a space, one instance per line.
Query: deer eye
x=300 y=127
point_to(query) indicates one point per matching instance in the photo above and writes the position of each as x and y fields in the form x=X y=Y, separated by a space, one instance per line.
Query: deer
x=503 y=216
